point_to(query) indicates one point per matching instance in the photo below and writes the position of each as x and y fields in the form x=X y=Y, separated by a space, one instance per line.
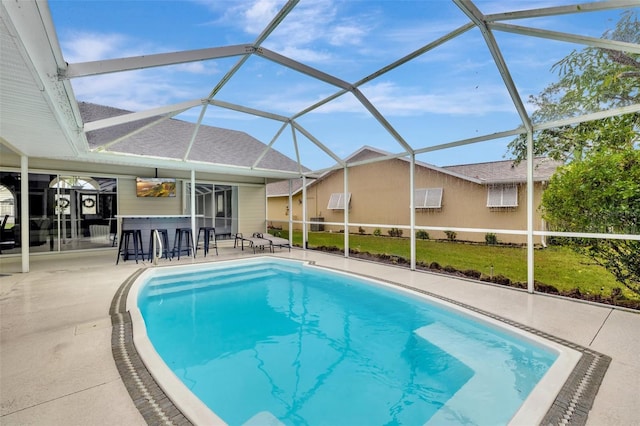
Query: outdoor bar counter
x=145 y=223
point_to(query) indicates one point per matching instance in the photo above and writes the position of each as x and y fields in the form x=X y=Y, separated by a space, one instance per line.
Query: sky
x=452 y=92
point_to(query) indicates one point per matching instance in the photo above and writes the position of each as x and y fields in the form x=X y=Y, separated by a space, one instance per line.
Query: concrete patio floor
x=57 y=368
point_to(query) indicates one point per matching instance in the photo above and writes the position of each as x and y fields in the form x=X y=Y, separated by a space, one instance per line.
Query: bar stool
x=209 y=231
x=125 y=239
x=164 y=238
x=188 y=241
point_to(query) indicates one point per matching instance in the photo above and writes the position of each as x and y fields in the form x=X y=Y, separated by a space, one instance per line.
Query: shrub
x=422 y=234
x=491 y=238
x=395 y=232
x=377 y=232
x=435 y=265
x=451 y=235
x=360 y=230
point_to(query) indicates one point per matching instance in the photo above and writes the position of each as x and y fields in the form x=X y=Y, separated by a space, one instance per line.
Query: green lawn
x=557 y=266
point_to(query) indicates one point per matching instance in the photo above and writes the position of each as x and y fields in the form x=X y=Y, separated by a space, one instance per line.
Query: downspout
x=24 y=213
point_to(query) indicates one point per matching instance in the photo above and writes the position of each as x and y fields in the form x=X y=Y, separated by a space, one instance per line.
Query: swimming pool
x=265 y=341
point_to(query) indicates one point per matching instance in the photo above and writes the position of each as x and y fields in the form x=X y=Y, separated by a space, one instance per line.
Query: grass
x=555 y=265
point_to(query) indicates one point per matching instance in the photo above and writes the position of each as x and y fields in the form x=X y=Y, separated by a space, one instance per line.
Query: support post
x=346 y=211
x=291 y=215
x=193 y=210
x=24 y=209
x=412 y=206
x=530 y=211
x=305 y=234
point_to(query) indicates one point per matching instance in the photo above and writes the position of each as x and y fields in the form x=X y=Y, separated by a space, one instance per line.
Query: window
x=428 y=198
x=336 y=202
x=502 y=196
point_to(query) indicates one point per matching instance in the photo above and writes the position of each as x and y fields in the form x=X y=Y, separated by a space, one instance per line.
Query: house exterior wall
x=380 y=195
x=251 y=209
x=130 y=204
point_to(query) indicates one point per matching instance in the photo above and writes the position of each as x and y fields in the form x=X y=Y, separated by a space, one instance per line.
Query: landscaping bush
x=422 y=234
x=377 y=232
x=360 y=230
x=395 y=232
x=491 y=239
x=451 y=235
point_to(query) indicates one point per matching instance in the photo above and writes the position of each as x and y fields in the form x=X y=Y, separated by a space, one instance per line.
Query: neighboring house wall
x=380 y=195
x=251 y=209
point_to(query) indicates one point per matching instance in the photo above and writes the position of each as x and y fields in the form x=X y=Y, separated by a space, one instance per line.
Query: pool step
x=185 y=284
x=204 y=274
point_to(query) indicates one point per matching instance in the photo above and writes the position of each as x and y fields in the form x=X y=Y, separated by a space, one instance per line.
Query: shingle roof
x=493 y=172
x=506 y=171
x=281 y=188
x=170 y=138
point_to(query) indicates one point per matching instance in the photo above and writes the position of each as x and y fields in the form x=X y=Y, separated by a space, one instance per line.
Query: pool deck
x=57 y=367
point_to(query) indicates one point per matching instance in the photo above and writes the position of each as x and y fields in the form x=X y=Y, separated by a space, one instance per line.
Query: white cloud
x=134 y=90
x=392 y=99
x=85 y=47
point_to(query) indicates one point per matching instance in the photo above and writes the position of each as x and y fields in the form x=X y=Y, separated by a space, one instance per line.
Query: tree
x=598 y=190
x=600 y=194
x=592 y=79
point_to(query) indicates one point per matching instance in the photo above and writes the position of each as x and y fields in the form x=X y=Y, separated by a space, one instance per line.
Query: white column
x=412 y=206
x=346 y=211
x=530 y=211
x=24 y=212
x=193 y=209
x=304 y=213
x=291 y=215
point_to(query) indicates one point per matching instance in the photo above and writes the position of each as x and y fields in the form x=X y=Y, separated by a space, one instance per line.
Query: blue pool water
x=277 y=339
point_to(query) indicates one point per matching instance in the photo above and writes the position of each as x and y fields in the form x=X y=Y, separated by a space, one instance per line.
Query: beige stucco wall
x=251 y=209
x=380 y=195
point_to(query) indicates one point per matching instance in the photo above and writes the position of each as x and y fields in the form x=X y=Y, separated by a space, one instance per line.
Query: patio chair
x=276 y=241
x=255 y=241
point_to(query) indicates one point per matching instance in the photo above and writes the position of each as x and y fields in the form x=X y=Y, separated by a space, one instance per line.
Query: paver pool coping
x=570 y=407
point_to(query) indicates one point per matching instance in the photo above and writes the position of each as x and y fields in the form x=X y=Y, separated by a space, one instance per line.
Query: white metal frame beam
x=562 y=10
x=479 y=19
x=566 y=37
x=135 y=116
x=108 y=66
